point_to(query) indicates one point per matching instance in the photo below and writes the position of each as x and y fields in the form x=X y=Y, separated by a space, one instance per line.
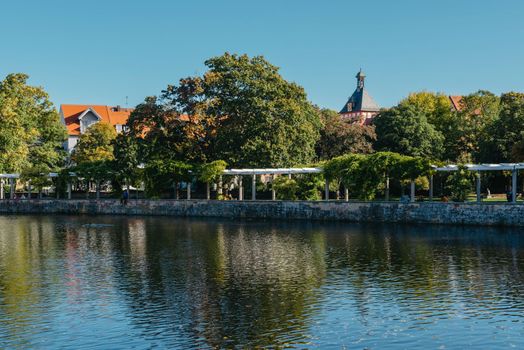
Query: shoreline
x=477 y=214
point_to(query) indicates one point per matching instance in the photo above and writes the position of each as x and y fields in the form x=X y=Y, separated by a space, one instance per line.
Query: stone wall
x=438 y=213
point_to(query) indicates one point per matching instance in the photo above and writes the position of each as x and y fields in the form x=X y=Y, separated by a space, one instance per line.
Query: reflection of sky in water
x=117 y=282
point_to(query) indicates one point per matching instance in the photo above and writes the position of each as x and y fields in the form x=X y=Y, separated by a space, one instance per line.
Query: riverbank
x=492 y=214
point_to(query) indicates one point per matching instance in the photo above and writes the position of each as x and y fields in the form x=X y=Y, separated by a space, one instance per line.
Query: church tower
x=360 y=107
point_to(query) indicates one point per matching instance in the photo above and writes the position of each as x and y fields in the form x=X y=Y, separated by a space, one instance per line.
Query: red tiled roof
x=456 y=102
x=111 y=115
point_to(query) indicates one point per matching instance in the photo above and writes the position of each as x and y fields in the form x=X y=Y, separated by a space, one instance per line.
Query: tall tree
x=405 y=129
x=504 y=132
x=248 y=114
x=31 y=134
x=469 y=127
x=338 y=137
x=93 y=154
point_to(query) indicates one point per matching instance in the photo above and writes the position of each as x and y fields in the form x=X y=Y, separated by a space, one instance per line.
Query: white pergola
x=268 y=171
x=478 y=168
x=239 y=173
x=12 y=182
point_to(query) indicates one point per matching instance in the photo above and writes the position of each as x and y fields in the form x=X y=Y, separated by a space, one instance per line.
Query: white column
x=189 y=190
x=479 y=199
x=514 y=186
x=208 y=191
x=273 y=192
x=412 y=199
x=346 y=194
x=1 y=188
x=254 y=188
x=240 y=188
x=326 y=190
x=220 y=186
x=69 y=190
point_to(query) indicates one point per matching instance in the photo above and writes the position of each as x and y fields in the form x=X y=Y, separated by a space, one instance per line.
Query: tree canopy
x=405 y=129
x=247 y=113
x=338 y=137
x=31 y=134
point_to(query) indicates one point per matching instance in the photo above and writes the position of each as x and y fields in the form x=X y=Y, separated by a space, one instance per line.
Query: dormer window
x=118 y=128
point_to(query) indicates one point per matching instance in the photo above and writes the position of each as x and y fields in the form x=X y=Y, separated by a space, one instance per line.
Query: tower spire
x=360 y=79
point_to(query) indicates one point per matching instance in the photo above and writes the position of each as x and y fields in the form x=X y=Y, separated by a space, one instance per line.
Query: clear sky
x=98 y=52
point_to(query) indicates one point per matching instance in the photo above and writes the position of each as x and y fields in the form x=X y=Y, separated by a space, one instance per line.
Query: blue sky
x=98 y=52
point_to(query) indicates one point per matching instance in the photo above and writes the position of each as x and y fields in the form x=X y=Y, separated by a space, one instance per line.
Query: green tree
x=469 y=127
x=338 y=137
x=93 y=155
x=460 y=184
x=211 y=172
x=160 y=175
x=31 y=134
x=247 y=113
x=505 y=131
x=125 y=166
x=405 y=129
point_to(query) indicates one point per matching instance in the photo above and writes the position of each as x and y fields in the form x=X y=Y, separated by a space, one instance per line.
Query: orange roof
x=456 y=102
x=109 y=114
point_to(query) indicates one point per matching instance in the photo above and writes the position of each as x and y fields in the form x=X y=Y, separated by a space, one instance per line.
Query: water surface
x=131 y=282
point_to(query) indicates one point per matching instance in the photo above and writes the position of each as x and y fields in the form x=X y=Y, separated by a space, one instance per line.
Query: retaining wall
x=504 y=214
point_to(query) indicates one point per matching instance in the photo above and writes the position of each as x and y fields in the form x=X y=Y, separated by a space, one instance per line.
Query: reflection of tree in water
x=213 y=283
x=26 y=248
x=226 y=284
x=424 y=269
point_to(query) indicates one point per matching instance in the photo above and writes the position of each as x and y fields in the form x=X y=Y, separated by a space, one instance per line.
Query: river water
x=103 y=282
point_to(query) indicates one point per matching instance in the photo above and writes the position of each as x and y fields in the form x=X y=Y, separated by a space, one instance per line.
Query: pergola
x=239 y=173
x=268 y=171
x=12 y=178
x=478 y=168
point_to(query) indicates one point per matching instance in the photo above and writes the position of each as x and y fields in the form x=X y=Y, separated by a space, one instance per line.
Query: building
x=78 y=118
x=360 y=107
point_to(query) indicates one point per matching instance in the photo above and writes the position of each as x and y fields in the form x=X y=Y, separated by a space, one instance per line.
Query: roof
x=110 y=114
x=361 y=100
x=456 y=102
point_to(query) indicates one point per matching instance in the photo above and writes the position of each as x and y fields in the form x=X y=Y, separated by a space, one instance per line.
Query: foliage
x=160 y=174
x=286 y=188
x=309 y=186
x=405 y=129
x=505 y=131
x=31 y=134
x=210 y=172
x=247 y=113
x=93 y=154
x=338 y=137
x=162 y=131
x=364 y=175
x=459 y=184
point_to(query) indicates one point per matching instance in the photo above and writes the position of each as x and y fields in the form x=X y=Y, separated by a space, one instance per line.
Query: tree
x=162 y=174
x=469 y=127
x=126 y=161
x=211 y=172
x=31 y=134
x=93 y=154
x=405 y=129
x=247 y=113
x=338 y=137
x=502 y=134
x=460 y=183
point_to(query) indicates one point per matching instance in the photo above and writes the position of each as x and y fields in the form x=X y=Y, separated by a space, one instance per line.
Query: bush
x=460 y=183
x=285 y=188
